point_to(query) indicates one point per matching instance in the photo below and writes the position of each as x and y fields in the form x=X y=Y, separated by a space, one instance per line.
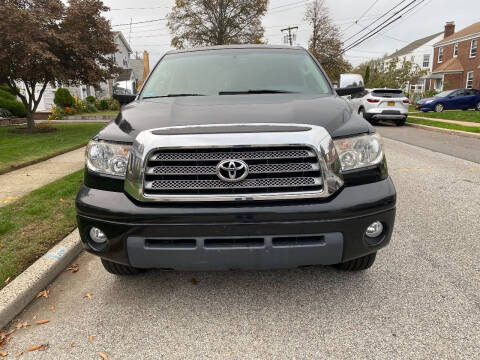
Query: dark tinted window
x=387 y=93
x=470 y=92
x=236 y=70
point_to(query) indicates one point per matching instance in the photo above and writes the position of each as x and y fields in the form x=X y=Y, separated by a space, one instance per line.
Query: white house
x=419 y=52
x=121 y=58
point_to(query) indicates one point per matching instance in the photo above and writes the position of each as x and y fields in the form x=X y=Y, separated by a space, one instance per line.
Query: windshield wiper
x=259 y=91
x=171 y=95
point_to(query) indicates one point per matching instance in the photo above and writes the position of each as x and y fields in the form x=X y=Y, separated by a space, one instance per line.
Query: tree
x=44 y=41
x=216 y=22
x=325 y=43
x=390 y=73
x=366 y=77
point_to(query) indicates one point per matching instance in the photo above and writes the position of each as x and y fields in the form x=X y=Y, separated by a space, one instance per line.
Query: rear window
x=387 y=93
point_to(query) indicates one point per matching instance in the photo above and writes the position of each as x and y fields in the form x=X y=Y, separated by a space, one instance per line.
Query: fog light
x=374 y=230
x=98 y=236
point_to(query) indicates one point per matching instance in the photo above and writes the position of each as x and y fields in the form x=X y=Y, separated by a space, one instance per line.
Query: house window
x=426 y=60
x=469 y=80
x=455 y=50
x=440 y=54
x=473 y=48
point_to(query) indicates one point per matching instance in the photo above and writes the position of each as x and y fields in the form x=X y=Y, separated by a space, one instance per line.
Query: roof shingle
x=452 y=64
x=414 y=45
x=469 y=30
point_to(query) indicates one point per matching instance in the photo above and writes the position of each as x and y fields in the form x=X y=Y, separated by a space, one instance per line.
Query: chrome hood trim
x=315 y=137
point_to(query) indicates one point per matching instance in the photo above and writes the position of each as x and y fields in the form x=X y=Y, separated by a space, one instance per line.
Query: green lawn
x=18 y=149
x=469 y=116
x=444 y=125
x=33 y=224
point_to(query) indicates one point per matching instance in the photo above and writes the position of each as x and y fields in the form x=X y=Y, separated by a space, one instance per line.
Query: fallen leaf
x=72 y=345
x=103 y=355
x=43 y=293
x=52 y=307
x=19 y=354
x=40 y=347
x=3 y=354
x=90 y=338
x=73 y=268
x=61 y=200
x=7 y=281
x=41 y=322
x=2 y=342
x=89 y=296
x=194 y=281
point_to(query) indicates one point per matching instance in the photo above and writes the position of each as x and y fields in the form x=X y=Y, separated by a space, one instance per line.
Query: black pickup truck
x=236 y=157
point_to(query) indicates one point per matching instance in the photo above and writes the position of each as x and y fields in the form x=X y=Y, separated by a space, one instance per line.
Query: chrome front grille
x=272 y=169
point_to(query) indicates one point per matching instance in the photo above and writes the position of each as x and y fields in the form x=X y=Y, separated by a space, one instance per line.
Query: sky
x=351 y=16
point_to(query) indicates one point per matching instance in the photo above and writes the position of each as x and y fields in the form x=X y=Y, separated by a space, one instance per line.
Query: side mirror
x=349 y=90
x=124 y=99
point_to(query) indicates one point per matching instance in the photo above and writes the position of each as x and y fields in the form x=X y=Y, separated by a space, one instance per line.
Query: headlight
x=107 y=158
x=359 y=151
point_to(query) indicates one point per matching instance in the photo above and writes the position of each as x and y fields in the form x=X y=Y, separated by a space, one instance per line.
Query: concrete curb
x=445 y=131
x=20 y=292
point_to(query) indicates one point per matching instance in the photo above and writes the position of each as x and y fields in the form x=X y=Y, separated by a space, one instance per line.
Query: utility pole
x=290 y=36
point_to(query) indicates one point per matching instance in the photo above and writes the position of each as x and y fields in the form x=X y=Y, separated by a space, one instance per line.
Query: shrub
x=113 y=105
x=6 y=88
x=429 y=93
x=102 y=104
x=14 y=106
x=57 y=113
x=90 y=99
x=91 y=107
x=63 y=98
x=7 y=95
x=4 y=113
x=70 y=111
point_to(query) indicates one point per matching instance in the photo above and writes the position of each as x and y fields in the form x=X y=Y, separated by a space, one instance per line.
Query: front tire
x=439 y=107
x=119 y=269
x=477 y=107
x=362 y=263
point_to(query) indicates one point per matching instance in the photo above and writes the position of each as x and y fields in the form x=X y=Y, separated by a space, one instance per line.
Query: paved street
x=421 y=300
x=459 y=146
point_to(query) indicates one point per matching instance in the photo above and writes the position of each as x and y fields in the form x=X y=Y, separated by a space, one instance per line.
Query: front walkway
x=15 y=184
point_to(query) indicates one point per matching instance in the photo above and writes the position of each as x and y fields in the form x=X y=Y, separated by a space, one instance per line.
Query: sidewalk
x=15 y=184
x=463 y=123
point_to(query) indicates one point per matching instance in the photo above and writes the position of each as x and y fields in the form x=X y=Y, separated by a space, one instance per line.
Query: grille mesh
x=271 y=170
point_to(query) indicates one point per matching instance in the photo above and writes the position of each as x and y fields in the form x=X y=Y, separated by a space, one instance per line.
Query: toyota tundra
x=236 y=157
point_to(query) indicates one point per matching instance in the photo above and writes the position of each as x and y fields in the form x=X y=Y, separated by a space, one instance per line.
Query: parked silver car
x=381 y=104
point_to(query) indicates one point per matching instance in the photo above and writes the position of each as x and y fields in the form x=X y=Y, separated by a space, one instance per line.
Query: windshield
x=236 y=71
x=444 y=94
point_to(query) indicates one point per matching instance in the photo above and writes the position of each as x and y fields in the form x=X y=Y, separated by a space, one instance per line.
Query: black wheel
x=439 y=107
x=362 y=263
x=119 y=269
x=477 y=107
x=401 y=122
x=425 y=111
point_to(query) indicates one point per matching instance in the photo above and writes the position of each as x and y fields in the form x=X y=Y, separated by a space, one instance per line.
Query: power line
x=358 y=42
x=139 y=22
x=374 y=21
x=364 y=13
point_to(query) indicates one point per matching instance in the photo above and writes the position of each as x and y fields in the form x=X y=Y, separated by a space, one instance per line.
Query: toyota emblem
x=232 y=170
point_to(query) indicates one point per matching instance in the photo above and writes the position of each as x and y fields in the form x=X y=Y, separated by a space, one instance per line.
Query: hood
x=423 y=101
x=331 y=112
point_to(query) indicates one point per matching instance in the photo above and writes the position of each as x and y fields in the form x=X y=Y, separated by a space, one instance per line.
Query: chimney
x=449 y=29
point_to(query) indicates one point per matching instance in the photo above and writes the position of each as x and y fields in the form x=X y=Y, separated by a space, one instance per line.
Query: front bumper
x=255 y=235
x=425 y=107
x=387 y=114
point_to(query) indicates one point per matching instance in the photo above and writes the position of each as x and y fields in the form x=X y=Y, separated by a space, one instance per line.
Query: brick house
x=456 y=59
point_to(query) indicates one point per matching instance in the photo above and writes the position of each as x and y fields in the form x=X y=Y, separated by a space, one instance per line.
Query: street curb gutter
x=20 y=292
x=444 y=131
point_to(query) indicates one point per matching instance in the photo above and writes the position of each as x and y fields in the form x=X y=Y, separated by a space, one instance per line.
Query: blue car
x=459 y=99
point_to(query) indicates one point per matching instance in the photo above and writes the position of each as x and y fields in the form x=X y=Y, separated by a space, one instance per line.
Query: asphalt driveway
x=421 y=299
